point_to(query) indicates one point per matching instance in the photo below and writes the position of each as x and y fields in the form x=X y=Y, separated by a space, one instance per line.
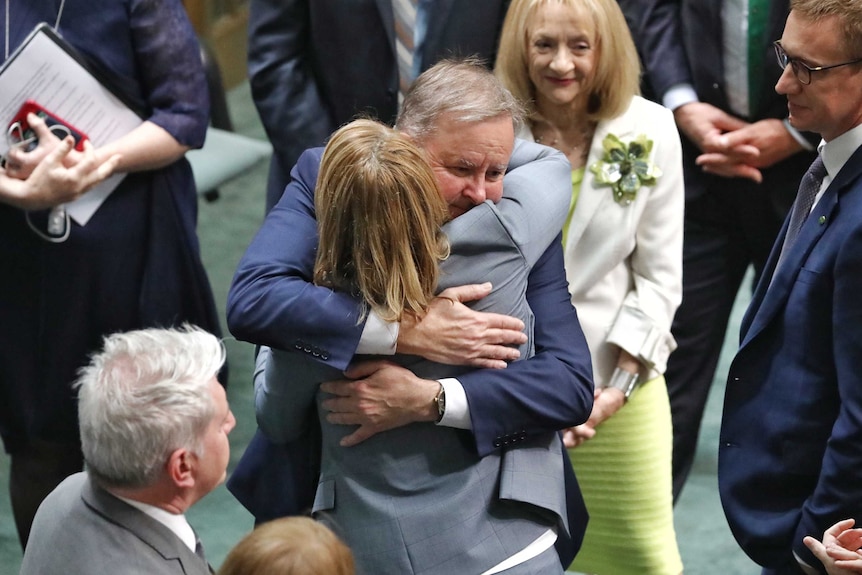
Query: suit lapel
x=763 y=283
x=771 y=296
x=387 y=16
x=438 y=17
x=592 y=196
x=144 y=527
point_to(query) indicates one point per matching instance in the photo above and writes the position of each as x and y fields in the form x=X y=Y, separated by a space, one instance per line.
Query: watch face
x=441 y=403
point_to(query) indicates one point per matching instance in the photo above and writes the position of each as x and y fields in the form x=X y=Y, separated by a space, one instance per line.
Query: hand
x=453 y=334
x=607 y=402
x=50 y=183
x=379 y=395
x=838 y=552
x=741 y=152
x=701 y=123
x=21 y=164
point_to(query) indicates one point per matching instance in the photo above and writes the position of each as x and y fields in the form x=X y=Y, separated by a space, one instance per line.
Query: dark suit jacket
x=680 y=42
x=81 y=529
x=790 y=460
x=271 y=303
x=315 y=64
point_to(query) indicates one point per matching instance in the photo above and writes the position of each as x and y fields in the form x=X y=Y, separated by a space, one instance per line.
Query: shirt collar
x=177 y=523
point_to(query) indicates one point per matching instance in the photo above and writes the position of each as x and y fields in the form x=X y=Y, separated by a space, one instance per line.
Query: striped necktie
x=405 y=23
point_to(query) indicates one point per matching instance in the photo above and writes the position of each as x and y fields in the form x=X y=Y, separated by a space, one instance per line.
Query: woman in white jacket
x=574 y=64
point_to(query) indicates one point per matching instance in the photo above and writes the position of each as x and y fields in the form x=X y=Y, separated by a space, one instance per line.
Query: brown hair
x=616 y=77
x=289 y=546
x=848 y=12
x=379 y=213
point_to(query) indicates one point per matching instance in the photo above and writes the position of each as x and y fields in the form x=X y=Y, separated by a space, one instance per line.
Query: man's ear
x=182 y=465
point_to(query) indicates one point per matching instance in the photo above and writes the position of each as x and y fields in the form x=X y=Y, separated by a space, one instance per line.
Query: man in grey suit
x=154 y=424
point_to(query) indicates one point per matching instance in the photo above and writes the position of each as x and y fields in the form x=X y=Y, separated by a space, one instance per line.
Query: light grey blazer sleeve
x=285 y=384
x=492 y=242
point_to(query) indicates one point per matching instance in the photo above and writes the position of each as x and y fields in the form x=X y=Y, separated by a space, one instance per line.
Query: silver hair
x=143 y=396
x=463 y=90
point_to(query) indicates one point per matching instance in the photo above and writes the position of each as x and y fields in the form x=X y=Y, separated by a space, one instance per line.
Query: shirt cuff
x=457 y=412
x=797 y=136
x=806 y=568
x=678 y=95
x=378 y=337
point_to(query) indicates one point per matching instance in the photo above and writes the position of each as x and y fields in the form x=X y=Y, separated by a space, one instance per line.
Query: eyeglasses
x=801 y=71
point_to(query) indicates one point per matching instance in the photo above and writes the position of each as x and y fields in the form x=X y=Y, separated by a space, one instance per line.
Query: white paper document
x=44 y=70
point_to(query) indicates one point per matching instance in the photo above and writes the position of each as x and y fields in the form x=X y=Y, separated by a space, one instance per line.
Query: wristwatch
x=624 y=381
x=440 y=402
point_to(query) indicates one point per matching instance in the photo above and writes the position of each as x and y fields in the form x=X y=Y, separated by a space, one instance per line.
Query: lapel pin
x=822 y=220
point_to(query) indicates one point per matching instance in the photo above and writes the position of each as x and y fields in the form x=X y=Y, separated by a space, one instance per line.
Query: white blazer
x=624 y=262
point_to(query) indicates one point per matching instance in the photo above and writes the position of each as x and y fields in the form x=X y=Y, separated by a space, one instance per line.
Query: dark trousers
x=725 y=231
x=34 y=472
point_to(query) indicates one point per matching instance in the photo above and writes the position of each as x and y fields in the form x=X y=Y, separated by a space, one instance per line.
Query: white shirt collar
x=176 y=523
x=836 y=153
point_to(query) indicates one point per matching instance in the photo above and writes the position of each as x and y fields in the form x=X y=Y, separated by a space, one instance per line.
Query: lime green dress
x=625 y=477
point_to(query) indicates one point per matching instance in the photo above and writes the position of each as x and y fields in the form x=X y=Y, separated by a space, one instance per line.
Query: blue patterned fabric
x=136 y=263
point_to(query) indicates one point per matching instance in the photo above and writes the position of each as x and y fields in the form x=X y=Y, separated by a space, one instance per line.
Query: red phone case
x=51 y=120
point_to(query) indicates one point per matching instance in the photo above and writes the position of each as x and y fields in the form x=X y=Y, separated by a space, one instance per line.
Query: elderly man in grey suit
x=154 y=424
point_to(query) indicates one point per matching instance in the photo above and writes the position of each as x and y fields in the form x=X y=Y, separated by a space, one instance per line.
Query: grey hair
x=463 y=90
x=143 y=396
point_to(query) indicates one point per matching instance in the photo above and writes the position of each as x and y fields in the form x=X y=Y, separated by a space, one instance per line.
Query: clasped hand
x=379 y=395
x=840 y=550
x=732 y=147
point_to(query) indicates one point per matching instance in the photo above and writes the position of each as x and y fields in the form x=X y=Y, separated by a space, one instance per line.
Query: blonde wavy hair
x=379 y=213
x=616 y=77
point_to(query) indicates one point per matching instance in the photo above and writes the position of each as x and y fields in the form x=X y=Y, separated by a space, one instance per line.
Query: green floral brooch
x=626 y=167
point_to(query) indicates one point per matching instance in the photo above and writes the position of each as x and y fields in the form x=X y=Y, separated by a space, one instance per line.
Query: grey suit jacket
x=81 y=529
x=419 y=499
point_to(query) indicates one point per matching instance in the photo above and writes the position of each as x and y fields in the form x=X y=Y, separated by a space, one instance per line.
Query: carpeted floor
x=225 y=228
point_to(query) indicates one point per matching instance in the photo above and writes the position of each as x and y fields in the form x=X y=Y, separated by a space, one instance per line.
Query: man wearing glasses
x=790 y=457
x=712 y=63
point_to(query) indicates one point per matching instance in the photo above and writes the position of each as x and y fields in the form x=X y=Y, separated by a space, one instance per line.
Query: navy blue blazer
x=790 y=459
x=315 y=64
x=506 y=406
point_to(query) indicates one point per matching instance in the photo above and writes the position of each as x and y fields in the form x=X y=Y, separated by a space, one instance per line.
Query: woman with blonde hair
x=379 y=214
x=574 y=64
x=289 y=546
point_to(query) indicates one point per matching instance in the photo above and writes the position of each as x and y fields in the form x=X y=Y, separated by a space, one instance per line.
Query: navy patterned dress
x=137 y=262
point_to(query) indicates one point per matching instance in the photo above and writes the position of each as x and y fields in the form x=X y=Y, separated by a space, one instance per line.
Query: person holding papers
x=136 y=261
